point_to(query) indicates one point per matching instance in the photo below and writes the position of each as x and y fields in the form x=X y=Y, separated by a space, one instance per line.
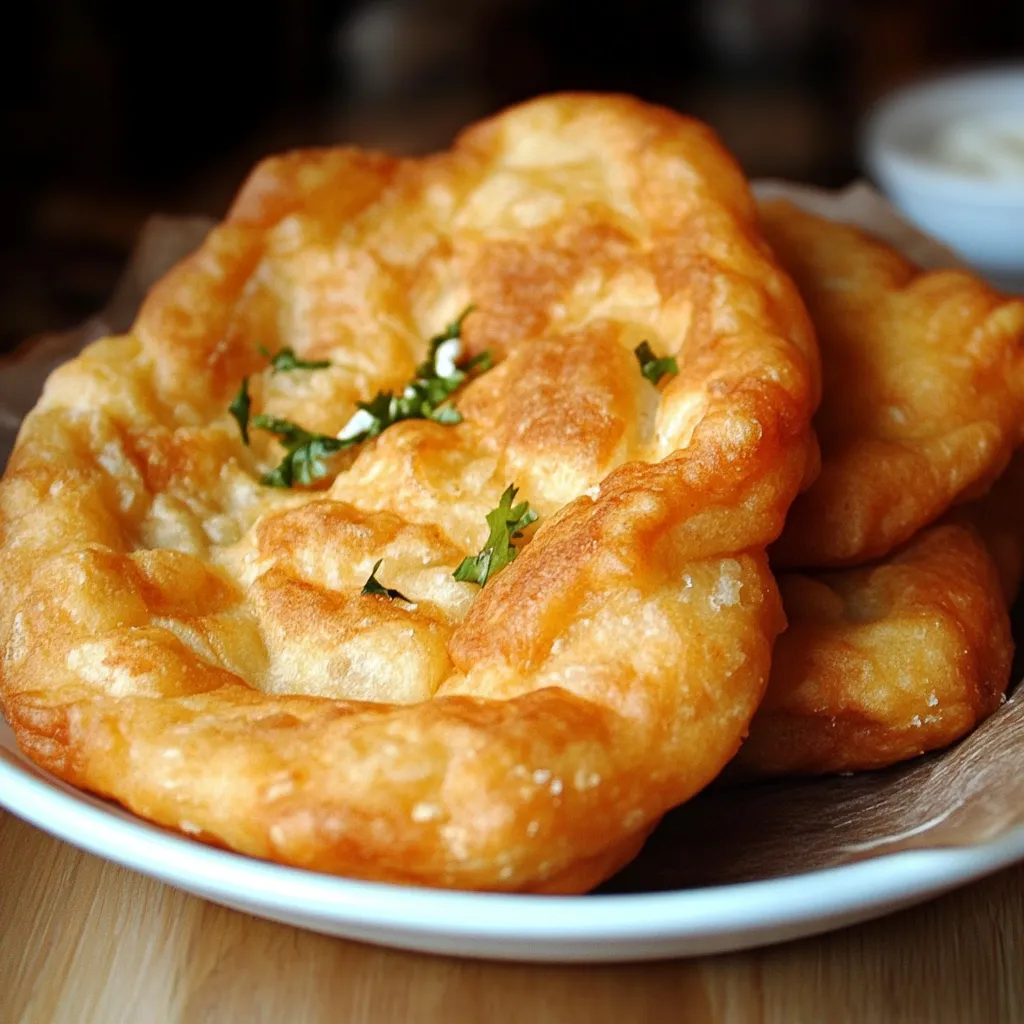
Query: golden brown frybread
x=923 y=389
x=883 y=663
x=195 y=645
x=921 y=405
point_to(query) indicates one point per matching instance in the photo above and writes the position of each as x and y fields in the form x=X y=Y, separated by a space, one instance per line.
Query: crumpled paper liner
x=969 y=794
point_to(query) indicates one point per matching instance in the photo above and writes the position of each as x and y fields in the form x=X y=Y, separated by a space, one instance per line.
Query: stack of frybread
x=899 y=564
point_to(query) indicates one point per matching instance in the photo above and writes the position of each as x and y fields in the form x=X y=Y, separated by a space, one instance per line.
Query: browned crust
x=923 y=389
x=882 y=664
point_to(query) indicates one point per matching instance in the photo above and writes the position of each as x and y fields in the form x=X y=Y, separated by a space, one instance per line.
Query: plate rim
x=873 y=884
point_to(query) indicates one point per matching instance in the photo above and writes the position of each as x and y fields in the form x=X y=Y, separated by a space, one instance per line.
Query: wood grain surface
x=85 y=942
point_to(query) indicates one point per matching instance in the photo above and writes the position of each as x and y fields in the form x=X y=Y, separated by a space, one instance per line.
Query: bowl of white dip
x=950 y=153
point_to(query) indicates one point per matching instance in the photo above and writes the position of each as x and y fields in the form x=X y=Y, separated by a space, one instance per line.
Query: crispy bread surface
x=196 y=646
x=881 y=664
x=923 y=389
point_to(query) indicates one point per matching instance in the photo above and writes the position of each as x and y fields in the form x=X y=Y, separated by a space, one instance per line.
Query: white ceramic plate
x=539 y=928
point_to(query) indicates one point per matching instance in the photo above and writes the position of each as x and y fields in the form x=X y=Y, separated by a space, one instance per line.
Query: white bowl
x=981 y=217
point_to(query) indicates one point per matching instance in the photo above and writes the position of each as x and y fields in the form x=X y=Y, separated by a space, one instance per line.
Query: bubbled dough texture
x=923 y=389
x=195 y=645
x=921 y=408
x=882 y=664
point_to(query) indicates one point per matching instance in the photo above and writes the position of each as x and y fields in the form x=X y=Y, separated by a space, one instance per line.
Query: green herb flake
x=652 y=367
x=286 y=360
x=305 y=460
x=507 y=523
x=239 y=408
x=446 y=414
x=375 y=587
x=427 y=396
x=481 y=362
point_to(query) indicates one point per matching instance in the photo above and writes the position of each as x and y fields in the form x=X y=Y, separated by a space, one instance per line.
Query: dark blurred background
x=114 y=110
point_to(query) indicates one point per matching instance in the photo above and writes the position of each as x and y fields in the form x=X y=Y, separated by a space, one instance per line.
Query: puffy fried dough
x=197 y=646
x=923 y=393
x=884 y=663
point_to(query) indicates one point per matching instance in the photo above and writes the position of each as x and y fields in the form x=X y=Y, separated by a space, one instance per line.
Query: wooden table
x=85 y=942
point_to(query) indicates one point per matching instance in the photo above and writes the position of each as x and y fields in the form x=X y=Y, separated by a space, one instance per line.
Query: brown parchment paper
x=970 y=794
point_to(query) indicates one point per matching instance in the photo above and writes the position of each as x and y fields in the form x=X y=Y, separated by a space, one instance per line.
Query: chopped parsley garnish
x=306 y=455
x=374 y=586
x=652 y=367
x=286 y=360
x=507 y=523
x=281 y=362
x=239 y=408
x=426 y=397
